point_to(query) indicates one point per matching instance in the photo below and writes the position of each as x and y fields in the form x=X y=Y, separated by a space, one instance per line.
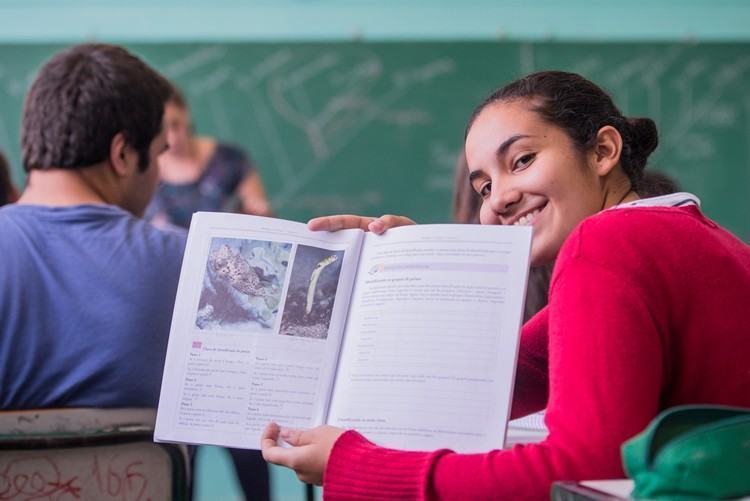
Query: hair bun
x=644 y=138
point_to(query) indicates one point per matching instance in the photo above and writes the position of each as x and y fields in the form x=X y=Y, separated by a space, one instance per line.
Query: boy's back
x=86 y=299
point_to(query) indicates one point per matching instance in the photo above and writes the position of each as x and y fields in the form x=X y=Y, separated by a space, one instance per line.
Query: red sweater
x=647 y=311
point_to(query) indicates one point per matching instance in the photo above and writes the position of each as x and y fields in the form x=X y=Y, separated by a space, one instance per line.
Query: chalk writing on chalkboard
x=375 y=127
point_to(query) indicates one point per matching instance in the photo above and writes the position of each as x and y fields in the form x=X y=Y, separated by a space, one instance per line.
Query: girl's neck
x=628 y=196
x=618 y=193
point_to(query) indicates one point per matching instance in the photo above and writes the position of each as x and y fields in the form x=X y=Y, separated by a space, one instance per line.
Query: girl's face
x=178 y=127
x=528 y=172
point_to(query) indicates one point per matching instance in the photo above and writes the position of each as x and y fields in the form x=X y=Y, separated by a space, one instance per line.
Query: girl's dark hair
x=581 y=108
x=82 y=98
x=466 y=201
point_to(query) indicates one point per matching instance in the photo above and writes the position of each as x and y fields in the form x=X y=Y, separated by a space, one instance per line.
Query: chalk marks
x=212 y=81
x=305 y=106
x=305 y=111
x=526 y=58
x=444 y=158
x=329 y=99
x=193 y=61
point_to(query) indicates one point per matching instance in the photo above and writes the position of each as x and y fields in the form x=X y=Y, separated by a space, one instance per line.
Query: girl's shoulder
x=635 y=221
x=615 y=236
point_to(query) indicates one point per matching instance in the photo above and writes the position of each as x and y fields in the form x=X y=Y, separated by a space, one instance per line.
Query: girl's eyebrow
x=503 y=148
x=473 y=175
x=500 y=152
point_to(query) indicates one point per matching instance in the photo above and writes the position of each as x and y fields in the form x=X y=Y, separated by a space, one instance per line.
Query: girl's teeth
x=527 y=219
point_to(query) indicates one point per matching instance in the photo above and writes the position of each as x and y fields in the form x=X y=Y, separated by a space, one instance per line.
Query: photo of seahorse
x=311 y=293
x=242 y=284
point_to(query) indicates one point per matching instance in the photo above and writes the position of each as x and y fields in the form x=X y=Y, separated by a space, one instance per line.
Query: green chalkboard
x=376 y=127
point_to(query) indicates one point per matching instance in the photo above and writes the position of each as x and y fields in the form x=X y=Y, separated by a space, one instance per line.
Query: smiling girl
x=646 y=305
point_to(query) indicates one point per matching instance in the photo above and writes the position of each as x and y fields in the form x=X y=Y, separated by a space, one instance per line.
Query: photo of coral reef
x=242 y=285
x=311 y=293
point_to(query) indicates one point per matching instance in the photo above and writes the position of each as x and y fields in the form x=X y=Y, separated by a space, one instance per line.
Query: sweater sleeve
x=605 y=377
x=532 y=378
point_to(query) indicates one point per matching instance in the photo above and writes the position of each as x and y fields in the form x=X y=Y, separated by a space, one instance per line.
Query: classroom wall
x=243 y=20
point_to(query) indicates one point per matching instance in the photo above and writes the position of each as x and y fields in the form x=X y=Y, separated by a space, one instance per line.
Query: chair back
x=97 y=454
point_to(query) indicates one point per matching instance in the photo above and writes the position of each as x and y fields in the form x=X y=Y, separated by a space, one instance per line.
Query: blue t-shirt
x=86 y=299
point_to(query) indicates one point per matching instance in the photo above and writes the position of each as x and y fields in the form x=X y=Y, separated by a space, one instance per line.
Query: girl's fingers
x=339 y=222
x=349 y=221
x=296 y=437
x=272 y=451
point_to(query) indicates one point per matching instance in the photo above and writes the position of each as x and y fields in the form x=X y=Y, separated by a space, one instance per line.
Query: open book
x=410 y=337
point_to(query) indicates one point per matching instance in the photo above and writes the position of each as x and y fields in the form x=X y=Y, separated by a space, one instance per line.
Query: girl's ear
x=607 y=150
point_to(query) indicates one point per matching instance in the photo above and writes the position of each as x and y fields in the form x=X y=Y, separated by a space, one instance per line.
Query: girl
x=646 y=305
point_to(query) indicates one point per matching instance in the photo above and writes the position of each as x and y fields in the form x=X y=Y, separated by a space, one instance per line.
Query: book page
x=622 y=488
x=432 y=337
x=526 y=430
x=257 y=327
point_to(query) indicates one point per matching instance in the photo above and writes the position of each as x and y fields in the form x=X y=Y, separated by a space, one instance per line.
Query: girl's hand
x=309 y=453
x=376 y=225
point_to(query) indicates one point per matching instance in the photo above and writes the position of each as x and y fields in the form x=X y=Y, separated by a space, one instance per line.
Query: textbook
x=410 y=337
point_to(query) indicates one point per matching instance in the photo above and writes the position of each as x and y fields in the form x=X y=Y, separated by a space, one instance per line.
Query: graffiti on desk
x=120 y=479
x=108 y=474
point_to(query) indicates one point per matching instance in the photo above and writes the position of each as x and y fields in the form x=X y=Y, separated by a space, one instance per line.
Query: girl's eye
x=523 y=161
x=484 y=190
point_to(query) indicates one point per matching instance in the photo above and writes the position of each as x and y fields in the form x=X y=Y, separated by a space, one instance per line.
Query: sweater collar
x=680 y=199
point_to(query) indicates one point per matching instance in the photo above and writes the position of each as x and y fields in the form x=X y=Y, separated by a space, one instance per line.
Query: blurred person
x=198 y=173
x=8 y=193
